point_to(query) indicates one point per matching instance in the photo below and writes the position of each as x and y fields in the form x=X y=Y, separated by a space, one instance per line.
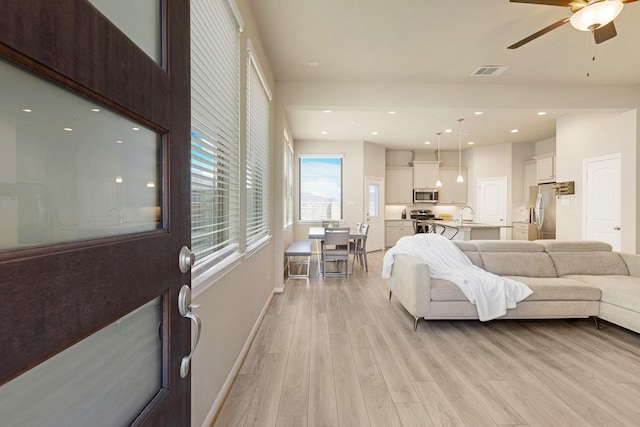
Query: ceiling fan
x=587 y=15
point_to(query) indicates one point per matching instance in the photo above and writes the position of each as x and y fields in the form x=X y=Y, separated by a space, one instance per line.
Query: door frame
x=57 y=295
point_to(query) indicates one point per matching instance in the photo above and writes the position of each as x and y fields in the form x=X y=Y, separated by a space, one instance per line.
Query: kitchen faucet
x=462 y=211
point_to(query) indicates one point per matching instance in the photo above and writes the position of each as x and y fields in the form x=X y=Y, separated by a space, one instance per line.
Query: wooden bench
x=299 y=248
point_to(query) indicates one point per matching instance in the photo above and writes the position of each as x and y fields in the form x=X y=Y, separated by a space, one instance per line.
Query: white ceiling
x=435 y=42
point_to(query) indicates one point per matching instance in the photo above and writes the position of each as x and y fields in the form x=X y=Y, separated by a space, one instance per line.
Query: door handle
x=185 y=306
x=617 y=228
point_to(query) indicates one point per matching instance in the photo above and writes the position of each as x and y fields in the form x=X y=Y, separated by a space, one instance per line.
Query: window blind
x=288 y=182
x=258 y=190
x=215 y=130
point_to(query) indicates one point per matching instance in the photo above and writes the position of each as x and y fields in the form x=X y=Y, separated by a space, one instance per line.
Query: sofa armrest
x=633 y=263
x=411 y=284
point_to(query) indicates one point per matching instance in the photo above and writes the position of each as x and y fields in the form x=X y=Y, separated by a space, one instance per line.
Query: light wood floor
x=338 y=353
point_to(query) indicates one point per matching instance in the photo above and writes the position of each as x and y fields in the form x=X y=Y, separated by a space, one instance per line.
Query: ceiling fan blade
x=563 y=3
x=605 y=33
x=539 y=33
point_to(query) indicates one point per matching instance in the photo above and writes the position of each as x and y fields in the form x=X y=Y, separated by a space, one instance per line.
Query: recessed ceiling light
x=327 y=111
x=26 y=110
x=324 y=132
x=135 y=129
x=448 y=131
x=119 y=141
x=374 y=133
x=514 y=131
x=95 y=110
x=470 y=142
x=478 y=113
x=119 y=179
x=68 y=129
x=542 y=113
x=392 y=112
x=314 y=64
x=427 y=142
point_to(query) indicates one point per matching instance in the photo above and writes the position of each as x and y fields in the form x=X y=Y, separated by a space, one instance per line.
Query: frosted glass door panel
x=107 y=379
x=140 y=20
x=374 y=200
x=70 y=168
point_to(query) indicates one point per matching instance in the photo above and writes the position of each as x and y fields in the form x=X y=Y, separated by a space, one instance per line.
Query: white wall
x=583 y=136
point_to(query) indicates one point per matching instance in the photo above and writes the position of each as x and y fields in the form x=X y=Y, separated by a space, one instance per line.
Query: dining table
x=317 y=234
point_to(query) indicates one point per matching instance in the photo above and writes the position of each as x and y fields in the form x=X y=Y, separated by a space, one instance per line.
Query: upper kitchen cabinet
x=399 y=186
x=425 y=174
x=452 y=192
x=546 y=168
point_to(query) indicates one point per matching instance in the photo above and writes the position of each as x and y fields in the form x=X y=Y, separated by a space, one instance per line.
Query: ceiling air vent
x=490 y=70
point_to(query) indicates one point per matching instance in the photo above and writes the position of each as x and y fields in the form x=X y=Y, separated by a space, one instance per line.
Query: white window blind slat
x=215 y=130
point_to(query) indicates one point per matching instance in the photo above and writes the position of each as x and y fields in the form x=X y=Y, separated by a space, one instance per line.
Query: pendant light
x=438 y=182
x=460 y=178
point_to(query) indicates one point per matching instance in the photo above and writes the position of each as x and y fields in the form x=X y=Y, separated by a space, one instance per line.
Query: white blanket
x=491 y=294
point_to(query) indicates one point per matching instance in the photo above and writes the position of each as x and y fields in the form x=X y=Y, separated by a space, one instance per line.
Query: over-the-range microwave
x=425 y=195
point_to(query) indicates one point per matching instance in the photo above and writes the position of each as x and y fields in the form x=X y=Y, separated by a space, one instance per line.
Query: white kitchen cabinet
x=425 y=174
x=395 y=229
x=452 y=192
x=524 y=231
x=546 y=168
x=398 y=186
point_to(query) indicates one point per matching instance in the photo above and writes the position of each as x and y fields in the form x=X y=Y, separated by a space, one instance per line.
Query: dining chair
x=336 y=248
x=360 y=249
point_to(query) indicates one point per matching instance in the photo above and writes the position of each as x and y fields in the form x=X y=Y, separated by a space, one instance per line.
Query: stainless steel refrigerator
x=543 y=200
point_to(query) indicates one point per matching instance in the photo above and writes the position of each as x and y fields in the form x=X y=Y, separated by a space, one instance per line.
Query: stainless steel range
x=421 y=216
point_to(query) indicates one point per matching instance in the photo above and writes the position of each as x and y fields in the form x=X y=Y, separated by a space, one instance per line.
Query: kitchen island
x=467 y=230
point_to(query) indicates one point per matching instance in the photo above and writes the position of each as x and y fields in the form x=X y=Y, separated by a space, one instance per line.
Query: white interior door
x=492 y=202
x=602 y=200
x=374 y=196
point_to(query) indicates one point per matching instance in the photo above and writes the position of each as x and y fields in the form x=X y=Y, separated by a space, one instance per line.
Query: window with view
x=320 y=195
x=215 y=129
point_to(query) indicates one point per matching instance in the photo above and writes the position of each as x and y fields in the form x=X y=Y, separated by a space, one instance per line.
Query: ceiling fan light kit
x=596 y=15
x=587 y=15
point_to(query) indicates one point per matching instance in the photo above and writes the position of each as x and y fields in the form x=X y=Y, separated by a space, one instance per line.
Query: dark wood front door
x=94 y=206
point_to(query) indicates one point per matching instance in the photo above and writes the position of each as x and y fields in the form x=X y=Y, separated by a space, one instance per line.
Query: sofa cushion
x=574 y=246
x=621 y=291
x=529 y=264
x=592 y=263
x=507 y=246
x=544 y=289
x=470 y=250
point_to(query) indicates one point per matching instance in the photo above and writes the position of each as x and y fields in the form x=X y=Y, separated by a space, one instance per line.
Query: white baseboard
x=226 y=387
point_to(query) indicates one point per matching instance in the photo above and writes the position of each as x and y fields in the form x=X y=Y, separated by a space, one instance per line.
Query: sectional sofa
x=570 y=279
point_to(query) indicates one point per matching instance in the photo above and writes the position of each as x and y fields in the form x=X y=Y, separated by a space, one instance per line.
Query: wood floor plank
x=234 y=411
x=261 y=343
x=292 y=421
x=413 y=415
x=438 y=407
x=397 y=380
x=352 y=410
x=263 y=410
x=281 y=340
x=322 y=400
x=381 y=409
x=294 y=400
x=320 y=344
